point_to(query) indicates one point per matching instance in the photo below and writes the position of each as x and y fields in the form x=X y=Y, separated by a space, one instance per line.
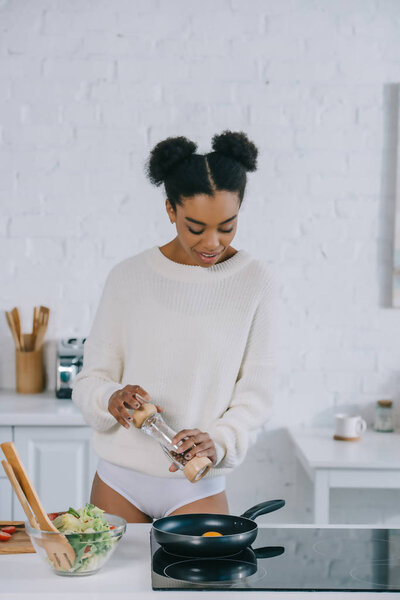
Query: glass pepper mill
x=151 y=422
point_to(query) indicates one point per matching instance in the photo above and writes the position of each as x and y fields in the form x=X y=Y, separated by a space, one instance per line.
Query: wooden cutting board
x=19 y=542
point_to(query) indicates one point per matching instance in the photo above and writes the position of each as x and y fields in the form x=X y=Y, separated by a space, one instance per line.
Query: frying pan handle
x=263 y=508
x=269 y=551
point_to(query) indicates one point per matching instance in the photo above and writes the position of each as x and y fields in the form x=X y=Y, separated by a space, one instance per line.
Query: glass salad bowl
x=92 y=548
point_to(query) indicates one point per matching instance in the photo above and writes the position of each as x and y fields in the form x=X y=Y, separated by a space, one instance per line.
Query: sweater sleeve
x=102 y=368
x=251 y=403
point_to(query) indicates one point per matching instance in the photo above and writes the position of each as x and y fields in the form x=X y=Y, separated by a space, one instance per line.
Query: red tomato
x=52 y=516
x=9 y=529
x=87 y=549
x=112 y=527
x=4 y=536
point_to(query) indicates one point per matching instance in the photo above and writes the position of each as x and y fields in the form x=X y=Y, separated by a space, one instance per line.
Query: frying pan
x=202 y=570
x=182 y=534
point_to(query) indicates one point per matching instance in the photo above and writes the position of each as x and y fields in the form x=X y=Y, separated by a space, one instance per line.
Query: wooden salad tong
x=20 y=494
x=57 y=547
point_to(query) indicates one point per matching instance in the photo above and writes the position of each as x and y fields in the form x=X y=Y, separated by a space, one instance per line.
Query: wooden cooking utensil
x=12 y=327
x=38 y=341
x=17 y=322
x=22 y=499
x=58 y=548
x=45 y=312
x=20 y=494
x=35 y=318
x=35 y=324
x=42 y=321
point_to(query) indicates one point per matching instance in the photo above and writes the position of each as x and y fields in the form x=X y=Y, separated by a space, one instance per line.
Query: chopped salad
x=88 y=533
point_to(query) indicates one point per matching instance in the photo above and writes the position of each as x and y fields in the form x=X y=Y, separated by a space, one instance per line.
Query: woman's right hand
x=126 y=398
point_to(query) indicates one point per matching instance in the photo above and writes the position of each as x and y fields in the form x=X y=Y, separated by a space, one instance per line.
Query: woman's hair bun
x=166 y=155
x=237 y=145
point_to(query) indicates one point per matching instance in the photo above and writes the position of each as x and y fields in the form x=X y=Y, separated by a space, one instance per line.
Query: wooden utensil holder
x=29 y=369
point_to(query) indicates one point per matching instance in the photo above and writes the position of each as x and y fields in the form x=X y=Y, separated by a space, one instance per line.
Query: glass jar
x=384 y=416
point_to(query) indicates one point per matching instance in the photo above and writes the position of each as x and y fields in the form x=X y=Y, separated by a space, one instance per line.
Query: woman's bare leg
x=109 y=500
x=217 y=504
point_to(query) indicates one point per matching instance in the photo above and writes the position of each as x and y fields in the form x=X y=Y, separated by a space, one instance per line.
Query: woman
x=188 y=326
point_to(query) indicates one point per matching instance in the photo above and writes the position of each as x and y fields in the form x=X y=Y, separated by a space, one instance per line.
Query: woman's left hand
x=204 y=445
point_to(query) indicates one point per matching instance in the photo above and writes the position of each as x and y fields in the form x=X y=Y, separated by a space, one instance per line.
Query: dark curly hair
x=173 y=162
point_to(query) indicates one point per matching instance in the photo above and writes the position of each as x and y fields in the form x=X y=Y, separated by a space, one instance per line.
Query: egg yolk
x=211 y=534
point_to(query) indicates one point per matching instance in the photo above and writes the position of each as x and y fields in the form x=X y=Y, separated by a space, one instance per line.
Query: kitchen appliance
x=290 y=559
x=68 y=364
x=183 y=534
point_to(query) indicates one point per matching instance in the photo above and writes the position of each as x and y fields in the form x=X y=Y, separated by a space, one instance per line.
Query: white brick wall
x=88 y=87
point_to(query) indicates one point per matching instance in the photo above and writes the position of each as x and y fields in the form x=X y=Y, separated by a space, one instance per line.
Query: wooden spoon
x=11 y=325
x=17 y=322
x=58 y=548
x=43 y=319
x=43 y=314
x=41 y=332
x=35 y=324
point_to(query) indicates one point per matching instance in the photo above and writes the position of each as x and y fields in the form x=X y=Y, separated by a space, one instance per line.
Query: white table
x=372 y=462
x=127 y=576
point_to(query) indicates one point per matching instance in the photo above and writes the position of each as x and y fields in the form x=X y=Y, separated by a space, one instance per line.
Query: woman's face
x=205 y=225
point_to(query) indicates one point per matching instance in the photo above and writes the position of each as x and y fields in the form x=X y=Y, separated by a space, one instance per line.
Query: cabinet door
x=5 y=436
x=5 y=486
x=61 y=464
x=5 y=500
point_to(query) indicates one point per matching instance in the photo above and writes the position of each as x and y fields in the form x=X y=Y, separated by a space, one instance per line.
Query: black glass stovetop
x=312 y=559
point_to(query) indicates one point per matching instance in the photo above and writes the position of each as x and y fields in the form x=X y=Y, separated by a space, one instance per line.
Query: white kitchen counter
x=126 y=575
x=37 y=409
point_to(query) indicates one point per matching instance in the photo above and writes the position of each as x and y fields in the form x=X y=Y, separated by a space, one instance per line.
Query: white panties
x=156 y=496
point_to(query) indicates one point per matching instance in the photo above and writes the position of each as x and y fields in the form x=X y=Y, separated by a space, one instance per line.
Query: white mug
x=349 y=427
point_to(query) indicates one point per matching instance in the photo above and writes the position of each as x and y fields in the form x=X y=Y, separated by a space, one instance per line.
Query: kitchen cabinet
x=54 y=443
x=61 y=465
x=5 y=488
x=5 y=499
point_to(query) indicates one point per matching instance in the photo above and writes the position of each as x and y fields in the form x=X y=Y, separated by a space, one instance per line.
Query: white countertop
x=37 y=409
x=375 y=450
x=126 y=575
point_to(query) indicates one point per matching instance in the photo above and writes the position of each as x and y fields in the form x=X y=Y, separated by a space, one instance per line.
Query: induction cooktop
x=284 y=559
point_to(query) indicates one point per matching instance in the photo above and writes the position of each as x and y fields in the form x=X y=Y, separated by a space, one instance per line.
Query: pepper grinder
x=152 y=423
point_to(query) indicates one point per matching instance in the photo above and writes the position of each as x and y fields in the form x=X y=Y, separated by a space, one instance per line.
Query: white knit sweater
x=199 y=340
